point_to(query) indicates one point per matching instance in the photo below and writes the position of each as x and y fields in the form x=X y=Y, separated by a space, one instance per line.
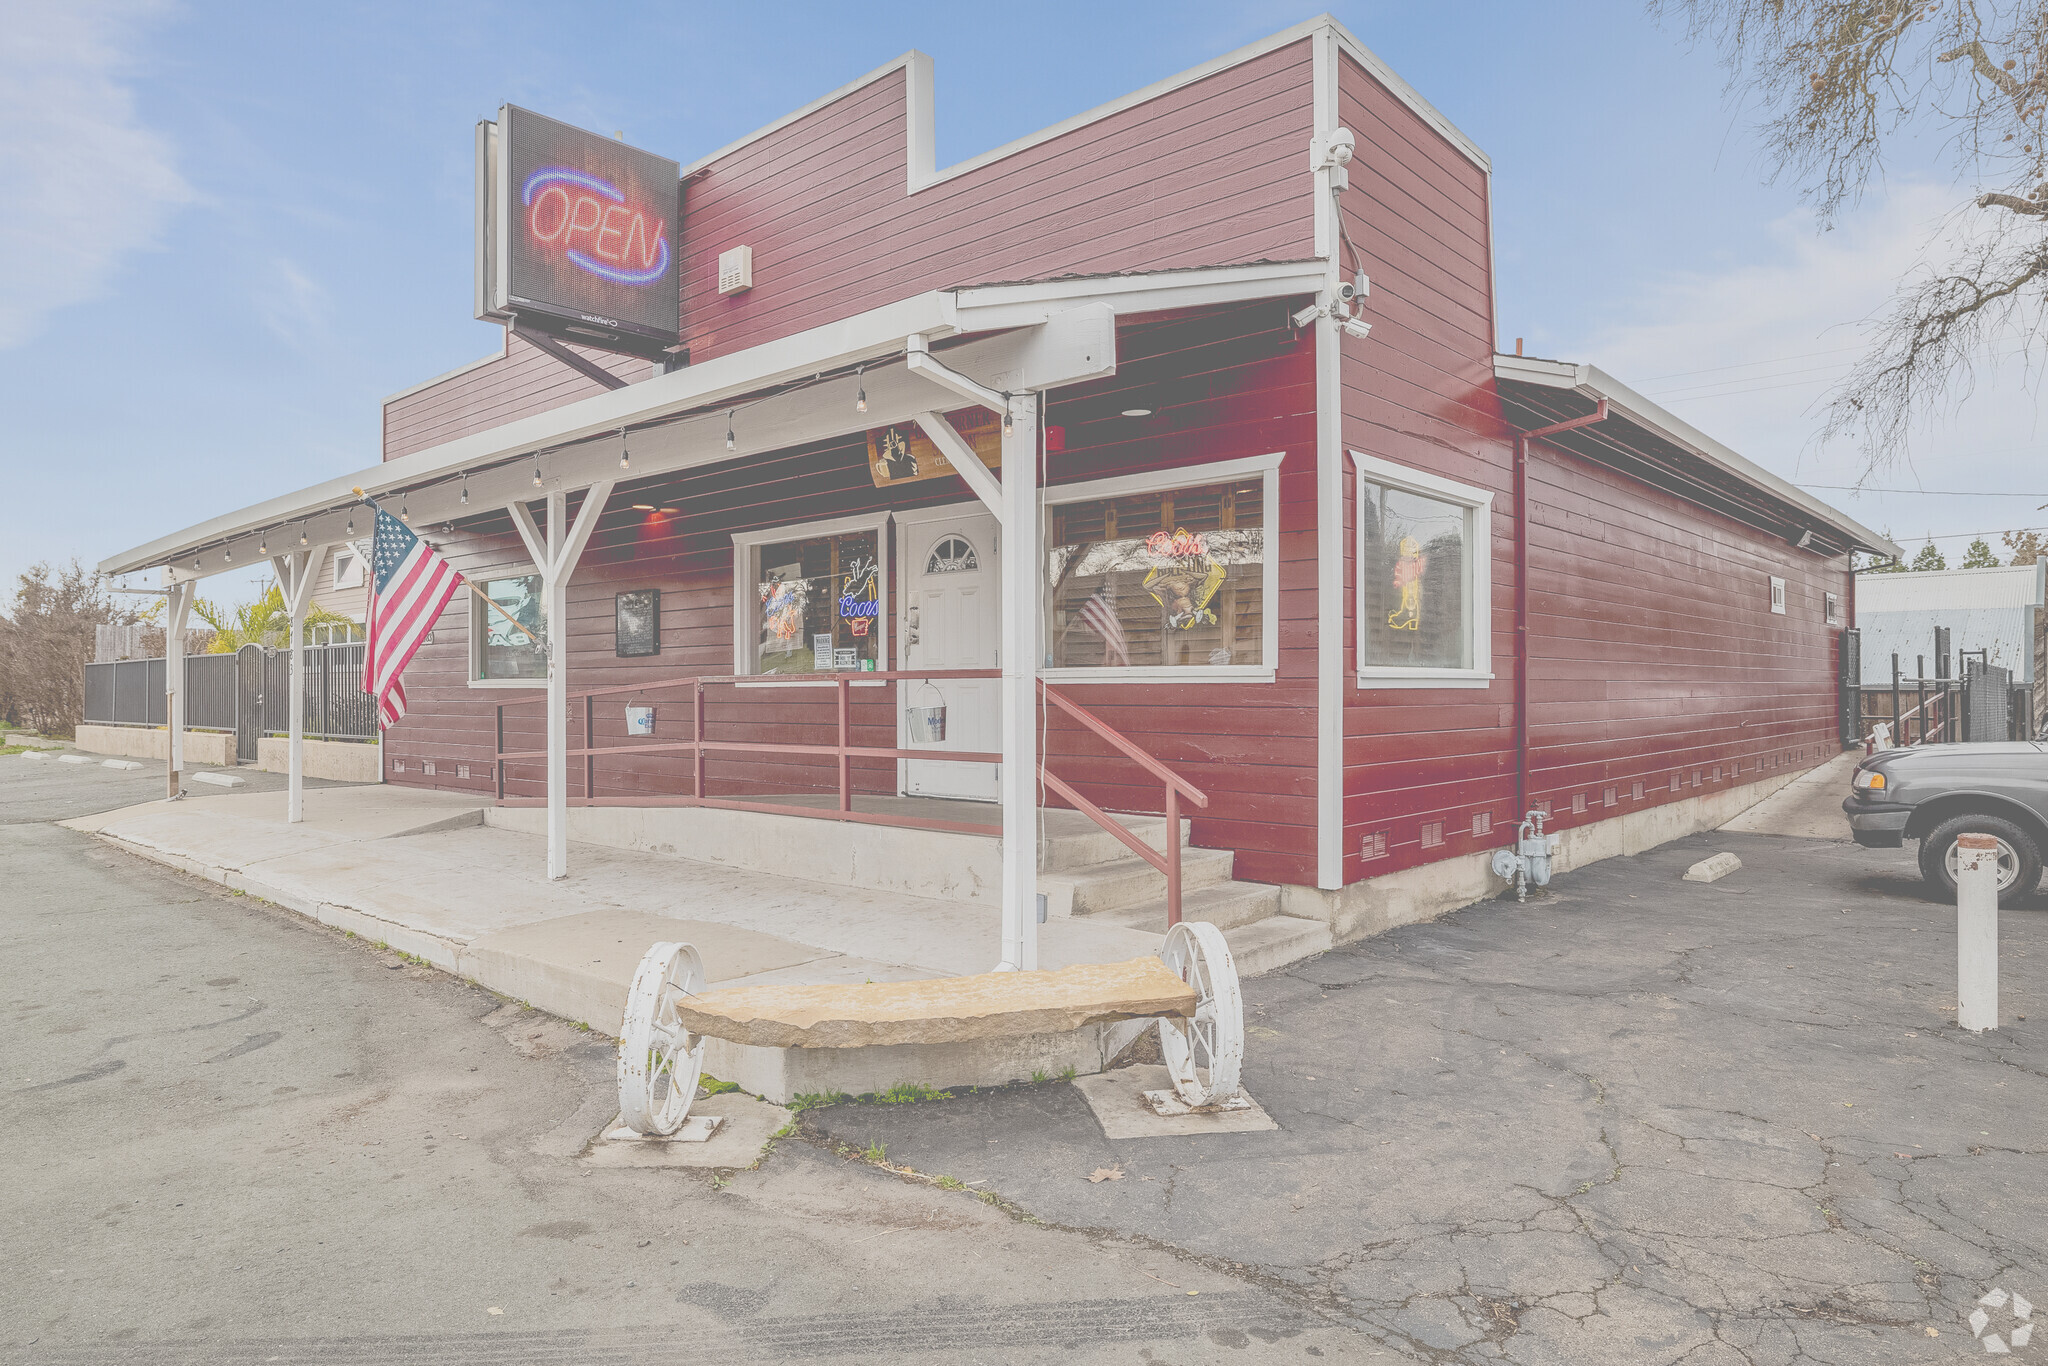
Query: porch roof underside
x=1655 y=447
x=691 y=406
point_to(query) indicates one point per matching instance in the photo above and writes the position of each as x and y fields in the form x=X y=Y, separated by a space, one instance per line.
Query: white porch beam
x=297 y=572
x=919 y=359
x=1021 y=575
x=955 y=448
x=555 y=556
x=178 y=610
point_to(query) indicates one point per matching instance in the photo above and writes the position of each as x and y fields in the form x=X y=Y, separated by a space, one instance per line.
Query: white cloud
x=1746 y=352
x=87 y=182
x=292 y=304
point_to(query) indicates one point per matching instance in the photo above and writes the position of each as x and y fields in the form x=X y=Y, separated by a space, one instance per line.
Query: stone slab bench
x=1191 y=988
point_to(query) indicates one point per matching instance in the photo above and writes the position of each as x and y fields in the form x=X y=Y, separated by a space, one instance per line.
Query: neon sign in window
x=590 y=222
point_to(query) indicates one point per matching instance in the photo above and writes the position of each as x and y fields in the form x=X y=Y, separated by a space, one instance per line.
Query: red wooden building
x=1291 y=529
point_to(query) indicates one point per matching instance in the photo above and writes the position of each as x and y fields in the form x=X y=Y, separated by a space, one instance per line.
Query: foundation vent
x=1608 y=797
x=428 y=768
x=1578 y=803
x=1374 y=845
x=1636 y=793
x=1482 y=824
x=462 y=770
x=398 y=765
x=1674 y=782
x=1432 y=834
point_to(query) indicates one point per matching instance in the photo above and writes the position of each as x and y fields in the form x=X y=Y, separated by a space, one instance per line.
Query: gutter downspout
x=1522 y=441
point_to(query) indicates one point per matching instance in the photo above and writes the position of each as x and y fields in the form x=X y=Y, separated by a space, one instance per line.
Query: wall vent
x=428 y=768
x=1674 y=782
x=1544 y=807
x=462 y=770
x=1374 y=845
x=398 y=765
x=1636 y=792
x=1482 y=824
x=1432 y=834
x=1578 y=803
x=1608 y=797
x=1695 y=777
x=1716 y=777
x=735 y=270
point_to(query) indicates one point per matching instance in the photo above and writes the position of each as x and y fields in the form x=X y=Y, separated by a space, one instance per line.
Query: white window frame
x=348 y=559
x=746 y=632
x=1479 y=592
x=1777 y=596
x=1180 y=477
x=477 y=610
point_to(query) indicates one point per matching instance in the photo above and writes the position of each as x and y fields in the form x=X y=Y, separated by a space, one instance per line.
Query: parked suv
x=1933 y=793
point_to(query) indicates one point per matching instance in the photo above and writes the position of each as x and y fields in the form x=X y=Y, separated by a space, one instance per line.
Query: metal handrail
x=843 y=752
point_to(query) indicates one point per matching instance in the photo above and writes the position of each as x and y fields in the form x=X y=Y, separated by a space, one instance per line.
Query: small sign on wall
x=903 y=454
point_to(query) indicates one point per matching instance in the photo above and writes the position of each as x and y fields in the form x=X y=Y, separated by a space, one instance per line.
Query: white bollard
x=1977 y=932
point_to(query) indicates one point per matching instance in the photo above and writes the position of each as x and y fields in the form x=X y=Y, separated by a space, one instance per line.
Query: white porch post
x=555 y=557
x=178 y=609
x=296 y=573
x=1022 y=572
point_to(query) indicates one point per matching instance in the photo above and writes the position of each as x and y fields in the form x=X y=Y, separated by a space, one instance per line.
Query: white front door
x=949 y=620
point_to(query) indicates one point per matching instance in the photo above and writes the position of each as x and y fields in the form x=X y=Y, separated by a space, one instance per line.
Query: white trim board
x=919 y=92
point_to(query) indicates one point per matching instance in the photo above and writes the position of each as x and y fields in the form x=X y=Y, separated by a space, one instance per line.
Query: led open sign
x=590 y=222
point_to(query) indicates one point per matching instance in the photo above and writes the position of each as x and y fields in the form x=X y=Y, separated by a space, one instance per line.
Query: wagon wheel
x=659 y=1060
x=1203 y=1054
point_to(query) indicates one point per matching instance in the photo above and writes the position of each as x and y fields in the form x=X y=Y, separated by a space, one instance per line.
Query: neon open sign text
x=589 y=220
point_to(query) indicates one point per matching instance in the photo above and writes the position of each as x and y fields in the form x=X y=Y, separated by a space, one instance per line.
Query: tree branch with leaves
x=1844 y=83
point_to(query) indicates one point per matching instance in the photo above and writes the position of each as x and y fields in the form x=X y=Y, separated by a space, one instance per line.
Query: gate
x=248 y=702
x=1987 y=701
x=1849 y=688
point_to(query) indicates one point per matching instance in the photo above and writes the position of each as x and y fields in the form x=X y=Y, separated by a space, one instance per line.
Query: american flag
x=409 y=585
x=1098 y=614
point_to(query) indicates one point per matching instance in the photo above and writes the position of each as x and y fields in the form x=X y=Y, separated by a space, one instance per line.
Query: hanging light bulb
x=729 y=445
x=228 y=554
x=195 y=564
x=263 y=544
x=860 y=404
x=351 y=526
x=1006 y=421
x=625 y=456
x=302 y=533
x=405 y=513
x=536 y=471
x=465 y=488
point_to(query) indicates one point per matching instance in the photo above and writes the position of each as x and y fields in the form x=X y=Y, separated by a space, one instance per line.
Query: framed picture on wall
x=639 y=622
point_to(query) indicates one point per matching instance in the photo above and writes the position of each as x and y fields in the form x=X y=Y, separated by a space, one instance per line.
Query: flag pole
x=486 y=598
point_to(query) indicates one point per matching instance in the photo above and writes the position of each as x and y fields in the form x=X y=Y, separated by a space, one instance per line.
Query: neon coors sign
x=576 y=234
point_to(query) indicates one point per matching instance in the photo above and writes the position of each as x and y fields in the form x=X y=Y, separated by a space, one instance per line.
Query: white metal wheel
x=660 y=1061
x=1203 y=1054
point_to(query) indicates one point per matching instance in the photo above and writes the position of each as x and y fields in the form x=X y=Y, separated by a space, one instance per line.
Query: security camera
x=1357 y=327
x=1308 y=315
x=1346 y=292
x=1342 y=145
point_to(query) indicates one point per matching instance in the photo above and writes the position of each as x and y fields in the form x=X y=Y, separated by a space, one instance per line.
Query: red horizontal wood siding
x=1208 y=174
x=1223 y=384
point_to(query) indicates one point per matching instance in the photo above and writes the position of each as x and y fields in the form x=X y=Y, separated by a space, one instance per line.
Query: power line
x=1750 y=364
x=1943 y=493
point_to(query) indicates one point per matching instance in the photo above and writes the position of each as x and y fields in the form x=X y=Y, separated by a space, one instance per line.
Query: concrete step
x=1275 y=942
x=1071 y=841
x=1227 y=905
x=1130 y=881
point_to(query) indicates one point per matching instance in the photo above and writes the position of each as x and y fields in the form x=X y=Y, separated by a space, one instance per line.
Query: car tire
x=2024 y=852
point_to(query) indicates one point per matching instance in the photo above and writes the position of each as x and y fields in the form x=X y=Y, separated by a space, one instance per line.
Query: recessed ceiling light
x=643 y=507
x=1137 y=412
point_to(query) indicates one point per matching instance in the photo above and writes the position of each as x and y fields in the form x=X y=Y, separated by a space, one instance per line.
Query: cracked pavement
x=1638 y=1120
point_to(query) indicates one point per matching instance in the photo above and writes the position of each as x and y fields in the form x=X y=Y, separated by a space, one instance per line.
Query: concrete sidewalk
x=419 y=870
x=1809 y=807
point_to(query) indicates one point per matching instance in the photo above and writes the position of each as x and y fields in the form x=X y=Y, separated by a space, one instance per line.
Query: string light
x=465 y=488
x=351 y=526
x=405 y=513
x=729 y=444
x=195 y=564
x=228 y=554
x=625 y=456
x=302 y=533
x=536 y=469
x=860 y=404
x=263 y=544
x=1006 y=416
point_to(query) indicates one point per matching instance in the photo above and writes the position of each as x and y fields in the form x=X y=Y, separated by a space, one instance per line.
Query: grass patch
x=817 y=1100
x=949 y=1183
x=876 y=1151
x=25 y=749
x=906 y=1093
x=712 y=1086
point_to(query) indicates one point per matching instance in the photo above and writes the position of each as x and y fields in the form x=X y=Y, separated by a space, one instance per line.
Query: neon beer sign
x=591 y=223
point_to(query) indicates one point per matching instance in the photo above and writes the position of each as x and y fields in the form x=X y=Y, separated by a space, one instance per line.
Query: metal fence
x=221 y=695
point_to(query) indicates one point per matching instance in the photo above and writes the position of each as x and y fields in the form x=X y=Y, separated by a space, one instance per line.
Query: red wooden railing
x=842 y=753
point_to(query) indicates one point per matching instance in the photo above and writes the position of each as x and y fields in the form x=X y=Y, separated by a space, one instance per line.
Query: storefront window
x=1166 y=578
x=818 y=603
x=1423 y=578
x=511 y=630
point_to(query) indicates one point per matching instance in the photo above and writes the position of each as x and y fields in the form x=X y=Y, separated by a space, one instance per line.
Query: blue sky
x=257 y=217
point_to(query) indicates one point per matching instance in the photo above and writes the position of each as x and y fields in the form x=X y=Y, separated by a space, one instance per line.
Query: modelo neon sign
x=589 y=221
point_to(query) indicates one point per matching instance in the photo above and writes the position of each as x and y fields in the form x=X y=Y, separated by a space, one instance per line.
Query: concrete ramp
x=1809 y=807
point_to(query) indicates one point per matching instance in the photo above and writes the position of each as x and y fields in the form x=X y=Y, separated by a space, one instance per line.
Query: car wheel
x=2019 y=859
